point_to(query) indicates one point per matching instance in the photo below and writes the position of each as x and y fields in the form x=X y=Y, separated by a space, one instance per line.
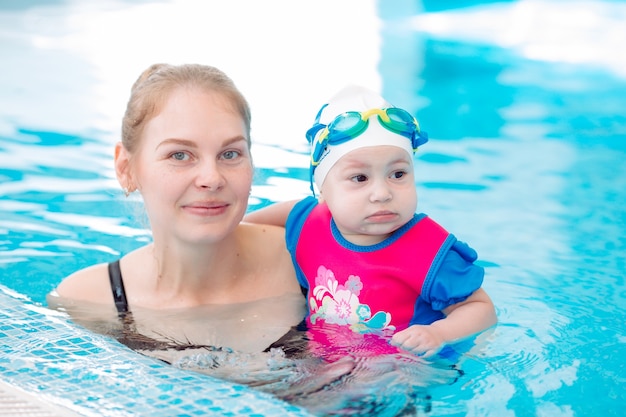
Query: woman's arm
x=275 y=214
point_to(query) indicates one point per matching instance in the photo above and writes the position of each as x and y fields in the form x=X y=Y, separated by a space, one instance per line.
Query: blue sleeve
x=455 y=280
x=293 y=227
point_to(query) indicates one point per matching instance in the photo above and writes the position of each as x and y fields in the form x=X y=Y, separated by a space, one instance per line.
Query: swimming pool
x=526 y=112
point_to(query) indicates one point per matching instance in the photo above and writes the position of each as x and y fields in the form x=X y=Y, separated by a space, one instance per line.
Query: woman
x=186 y=149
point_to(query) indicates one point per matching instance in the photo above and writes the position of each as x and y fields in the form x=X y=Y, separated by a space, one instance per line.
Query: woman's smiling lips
x=209 y=208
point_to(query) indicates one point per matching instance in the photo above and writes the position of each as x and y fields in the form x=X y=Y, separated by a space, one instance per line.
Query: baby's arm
x=274 y=214
x=463 y=319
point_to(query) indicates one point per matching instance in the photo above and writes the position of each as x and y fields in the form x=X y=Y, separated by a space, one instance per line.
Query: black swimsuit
x=136 y=341
x=119 y=293
x=129 y=334
x=117 y=287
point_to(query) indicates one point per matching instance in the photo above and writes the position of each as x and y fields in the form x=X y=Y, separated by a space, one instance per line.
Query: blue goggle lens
x=351 y=124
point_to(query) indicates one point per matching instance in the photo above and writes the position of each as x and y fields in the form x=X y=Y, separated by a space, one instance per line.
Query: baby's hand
x=420 y=340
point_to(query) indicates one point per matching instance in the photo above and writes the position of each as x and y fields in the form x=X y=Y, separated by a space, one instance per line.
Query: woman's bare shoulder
x=266 y=240
x=264 y=232
x=88 y=284
x=267 y=246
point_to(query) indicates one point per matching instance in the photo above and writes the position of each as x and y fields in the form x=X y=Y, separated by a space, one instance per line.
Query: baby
x=366 y=259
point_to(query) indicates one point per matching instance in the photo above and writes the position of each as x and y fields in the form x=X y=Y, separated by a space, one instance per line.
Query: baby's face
x=371 y=193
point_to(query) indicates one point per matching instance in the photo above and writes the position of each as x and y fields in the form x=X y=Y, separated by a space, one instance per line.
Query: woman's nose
x=209 y=176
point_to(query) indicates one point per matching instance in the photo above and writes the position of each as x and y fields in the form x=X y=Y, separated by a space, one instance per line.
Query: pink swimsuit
x=369 y=289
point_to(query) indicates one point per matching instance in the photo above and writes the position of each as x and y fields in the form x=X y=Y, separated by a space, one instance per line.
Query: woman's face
x=193 y=167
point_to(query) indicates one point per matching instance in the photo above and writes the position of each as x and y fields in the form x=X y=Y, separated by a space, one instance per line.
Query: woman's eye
x=231 y=154
x=179 y=156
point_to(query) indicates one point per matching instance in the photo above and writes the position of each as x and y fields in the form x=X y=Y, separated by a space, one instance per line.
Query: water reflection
x=226 y=340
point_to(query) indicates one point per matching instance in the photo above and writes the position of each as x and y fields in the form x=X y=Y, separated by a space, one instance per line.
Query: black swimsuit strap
x=117 y=287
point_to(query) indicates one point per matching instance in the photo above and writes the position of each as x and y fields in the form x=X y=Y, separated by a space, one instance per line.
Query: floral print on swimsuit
x=339 y=304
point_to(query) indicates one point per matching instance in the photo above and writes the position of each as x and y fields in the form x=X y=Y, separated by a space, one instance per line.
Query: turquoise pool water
x=524 y=102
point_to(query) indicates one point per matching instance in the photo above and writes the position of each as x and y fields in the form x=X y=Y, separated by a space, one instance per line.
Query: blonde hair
x=156 y=83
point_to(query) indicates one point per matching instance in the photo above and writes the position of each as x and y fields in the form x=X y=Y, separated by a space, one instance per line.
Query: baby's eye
x=398 y=174
x=359 y=178
x=179 y=156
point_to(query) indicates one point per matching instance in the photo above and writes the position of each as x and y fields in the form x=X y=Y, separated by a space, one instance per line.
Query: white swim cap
x=325 y=153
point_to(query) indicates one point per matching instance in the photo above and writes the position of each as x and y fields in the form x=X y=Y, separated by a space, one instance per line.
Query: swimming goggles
x=351 y=124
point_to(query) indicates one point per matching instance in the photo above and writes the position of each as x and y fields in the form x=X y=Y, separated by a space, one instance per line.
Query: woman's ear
x=122 y=168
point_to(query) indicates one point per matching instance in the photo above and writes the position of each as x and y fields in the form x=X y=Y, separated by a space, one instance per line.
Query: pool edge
x=47 y=357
